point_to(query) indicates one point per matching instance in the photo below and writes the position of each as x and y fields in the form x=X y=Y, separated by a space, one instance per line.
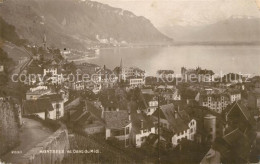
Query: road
x=32 y=133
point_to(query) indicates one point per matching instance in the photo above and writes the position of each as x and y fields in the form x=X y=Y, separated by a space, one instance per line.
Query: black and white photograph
x=129 y=81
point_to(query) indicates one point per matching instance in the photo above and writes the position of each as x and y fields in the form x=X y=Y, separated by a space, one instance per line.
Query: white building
x=128 y=72
x=187 y=133
x=151 y=103
x=234 y=95
x=50 y=70
x=142 y=127
x=213 y=100
x=177 y=121
x=136 y=82
x=35 y=93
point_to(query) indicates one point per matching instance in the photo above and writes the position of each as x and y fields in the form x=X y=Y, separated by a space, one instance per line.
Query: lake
x=244 y=59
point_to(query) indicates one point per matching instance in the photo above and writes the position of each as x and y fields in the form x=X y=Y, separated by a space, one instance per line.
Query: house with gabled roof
x=238 y=115
x=40 y=107
x=57 y=102
x=233 y=147
x=150 y=103
x=118 y=125
x=173 y=120
x=142 y=127
x=89 y=118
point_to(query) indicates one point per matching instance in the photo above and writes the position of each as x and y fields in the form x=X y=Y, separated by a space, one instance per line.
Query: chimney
x=175 y=114
x=129 y=116
x=142 y=124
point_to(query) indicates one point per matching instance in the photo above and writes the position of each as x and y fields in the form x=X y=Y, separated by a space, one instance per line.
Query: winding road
x=32 y=133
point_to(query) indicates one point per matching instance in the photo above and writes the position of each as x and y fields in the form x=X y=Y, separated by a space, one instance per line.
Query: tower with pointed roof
x=44 y=40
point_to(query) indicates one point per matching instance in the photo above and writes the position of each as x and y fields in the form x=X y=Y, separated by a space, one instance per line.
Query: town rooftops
x=141 y=121
x=116 y=119
x=49 y=66
x=52 y=97
x=36 y=106
x=214 y=96
x=244 y=110
x=35 y=70
x=233 y=91
x=234 y=146
x=177 y=124
x=113 y=99
x=146 y=98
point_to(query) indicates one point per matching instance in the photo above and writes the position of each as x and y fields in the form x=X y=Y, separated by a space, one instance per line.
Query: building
x=50 y=69
x=57 y=103
x=215 y=101
x=254 y=99
x=142 y=127
x=35 y=74
x=118 y=125
x=197 y=75
x=238 y=115
x=233 y=147
x=234 y=95
x=237 y=142
x=77 y=85
x=35 y=93
x=177 y=122
x=89 y=118
x=150 y=103
x=113 y=100
x=136 y=81
x=128 y=72
x=40 y=107
x=210 y=127
x=169 y=92
x=170 y=95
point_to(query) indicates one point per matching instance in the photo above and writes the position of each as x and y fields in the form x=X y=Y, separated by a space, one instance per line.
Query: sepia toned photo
x=129 y=81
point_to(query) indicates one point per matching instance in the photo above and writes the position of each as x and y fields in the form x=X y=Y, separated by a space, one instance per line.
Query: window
x=127 y=130
x=57 y=106
x=58 y=114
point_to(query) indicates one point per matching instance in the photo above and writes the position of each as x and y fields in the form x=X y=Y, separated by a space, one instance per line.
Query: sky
x=188 y=12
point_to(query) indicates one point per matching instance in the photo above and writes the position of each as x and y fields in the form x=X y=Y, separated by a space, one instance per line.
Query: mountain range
x=233 y=29
x=76 y=24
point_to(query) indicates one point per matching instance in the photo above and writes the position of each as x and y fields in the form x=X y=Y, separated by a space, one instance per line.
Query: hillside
x=234 y=29
x=74 y=23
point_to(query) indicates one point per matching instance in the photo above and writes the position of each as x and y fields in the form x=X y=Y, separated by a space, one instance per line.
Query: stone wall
x=9 y=128
x=43 y=152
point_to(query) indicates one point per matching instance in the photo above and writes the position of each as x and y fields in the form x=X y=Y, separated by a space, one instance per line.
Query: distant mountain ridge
x=234 y=29
x=74 y=23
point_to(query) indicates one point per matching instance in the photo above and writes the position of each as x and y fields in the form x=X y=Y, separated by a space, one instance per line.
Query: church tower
x=44 y=40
